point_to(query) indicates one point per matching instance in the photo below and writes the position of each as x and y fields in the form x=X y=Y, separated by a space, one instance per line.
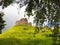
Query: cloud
x=14 y=13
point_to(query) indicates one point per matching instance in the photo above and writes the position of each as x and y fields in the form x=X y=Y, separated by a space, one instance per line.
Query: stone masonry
x=23 y=21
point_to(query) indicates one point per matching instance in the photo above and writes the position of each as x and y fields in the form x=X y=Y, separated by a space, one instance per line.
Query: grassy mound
x=24 y=35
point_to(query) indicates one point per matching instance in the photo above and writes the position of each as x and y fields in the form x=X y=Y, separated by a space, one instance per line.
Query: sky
x=12 y=14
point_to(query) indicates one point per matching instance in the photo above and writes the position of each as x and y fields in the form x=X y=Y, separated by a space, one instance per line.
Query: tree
x=1 y=22
x=5 y=3
x=44 y=9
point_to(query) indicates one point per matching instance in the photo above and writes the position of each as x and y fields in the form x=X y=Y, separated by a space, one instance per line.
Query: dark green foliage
x=25 y=28
x=47 y=9
x=5 y=3
x=30 y=7
x=55 y=35
x=44 y=9
x=1 y=22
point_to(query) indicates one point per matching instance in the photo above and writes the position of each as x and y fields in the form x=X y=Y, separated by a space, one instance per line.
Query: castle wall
x=23 y=21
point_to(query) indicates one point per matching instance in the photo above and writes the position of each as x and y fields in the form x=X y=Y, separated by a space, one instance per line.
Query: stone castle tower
x=23 y=21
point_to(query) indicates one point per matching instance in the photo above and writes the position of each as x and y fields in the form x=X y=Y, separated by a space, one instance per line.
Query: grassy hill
x=24 y=35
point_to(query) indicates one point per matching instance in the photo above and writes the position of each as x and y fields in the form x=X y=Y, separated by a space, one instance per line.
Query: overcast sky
x=12 y=14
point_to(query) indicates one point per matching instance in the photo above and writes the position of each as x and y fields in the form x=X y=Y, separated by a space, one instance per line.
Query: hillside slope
x=24 y=35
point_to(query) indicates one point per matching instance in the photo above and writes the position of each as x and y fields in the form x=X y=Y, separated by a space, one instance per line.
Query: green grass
x=24 y=35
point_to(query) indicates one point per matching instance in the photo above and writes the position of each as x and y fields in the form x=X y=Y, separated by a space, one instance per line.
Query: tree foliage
x=46 y=9
x=5 y=3
x=43 y=9
x=2 y=25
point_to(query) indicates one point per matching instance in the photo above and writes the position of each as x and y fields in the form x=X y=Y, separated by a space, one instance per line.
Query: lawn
x=24 y=35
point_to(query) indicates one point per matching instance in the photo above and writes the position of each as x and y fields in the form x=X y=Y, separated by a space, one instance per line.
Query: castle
x=23 y=21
